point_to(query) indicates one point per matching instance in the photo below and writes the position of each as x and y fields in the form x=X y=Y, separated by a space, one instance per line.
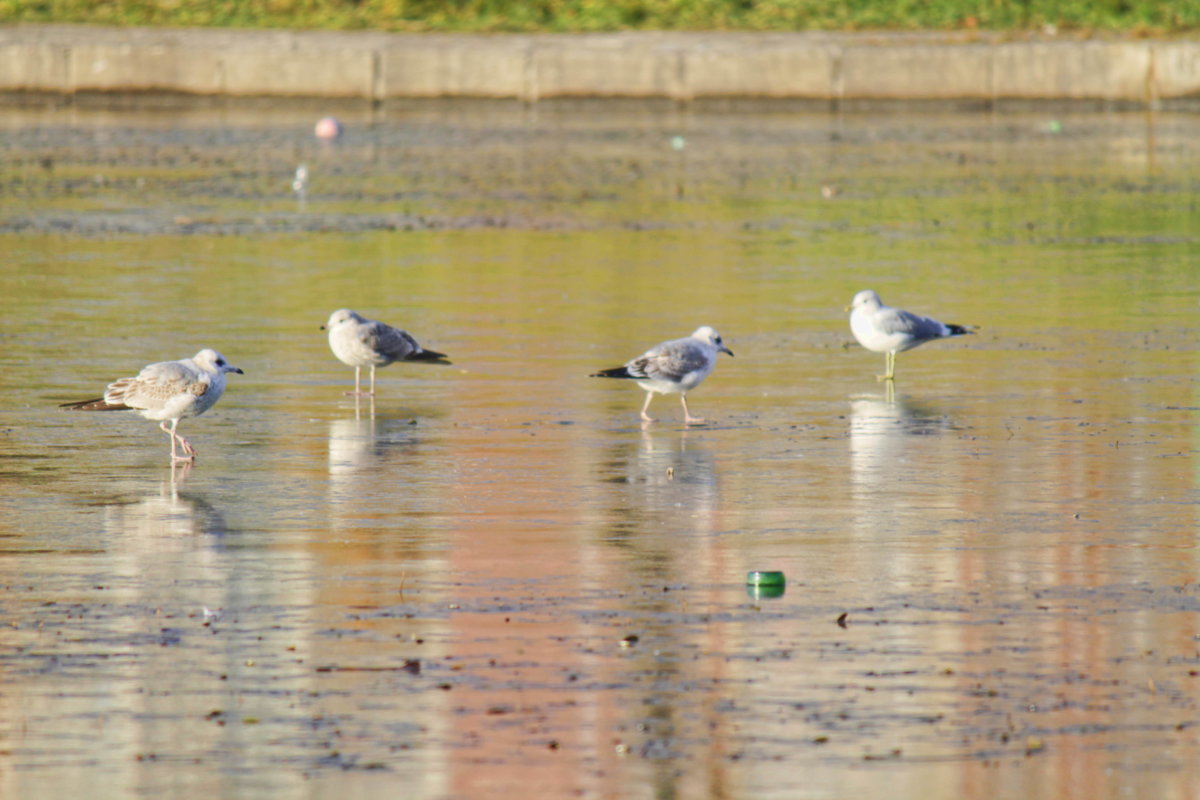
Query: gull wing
x=670 y=361
x=156 y=384
x=897 y=321
x=388 y=341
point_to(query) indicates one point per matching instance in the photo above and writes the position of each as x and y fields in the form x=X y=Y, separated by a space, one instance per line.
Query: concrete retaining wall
x=681 y=66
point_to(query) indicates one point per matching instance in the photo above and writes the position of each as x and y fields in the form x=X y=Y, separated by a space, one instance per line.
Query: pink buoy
x=328 y=128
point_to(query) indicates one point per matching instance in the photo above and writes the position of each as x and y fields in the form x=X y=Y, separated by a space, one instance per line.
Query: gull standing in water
x=884 y=329
x=168 y=390
x=360 y=342
x=679 y=365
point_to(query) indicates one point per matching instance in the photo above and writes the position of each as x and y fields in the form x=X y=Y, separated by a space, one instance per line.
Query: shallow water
x=493 y=578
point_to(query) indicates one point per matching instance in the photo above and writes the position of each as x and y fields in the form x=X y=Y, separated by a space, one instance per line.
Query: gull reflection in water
x=670 y=483
x=352 y=442
x=359 y=448
x=676 y=471
x=166 y=516
x=890 y=463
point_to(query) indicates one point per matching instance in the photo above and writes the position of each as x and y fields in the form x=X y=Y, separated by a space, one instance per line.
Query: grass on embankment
x=1145 y=17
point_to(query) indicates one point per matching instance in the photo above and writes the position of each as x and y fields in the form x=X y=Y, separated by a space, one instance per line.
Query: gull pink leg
x=687 y=415
x=190 y=453
x=646 y=405
x=187 y=448
x=358 y=392
x=163 y=426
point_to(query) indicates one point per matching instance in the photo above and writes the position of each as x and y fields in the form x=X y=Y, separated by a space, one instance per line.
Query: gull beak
x=238 y=370
x=725 y=349
x=322 y=327
x=849 y=307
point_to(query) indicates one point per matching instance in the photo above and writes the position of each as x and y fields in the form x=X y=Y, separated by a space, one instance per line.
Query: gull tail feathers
x=615 y=372
x=432 y=356
x=97 y=404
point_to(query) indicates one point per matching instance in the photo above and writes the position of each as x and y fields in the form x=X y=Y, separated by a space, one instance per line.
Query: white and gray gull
x=168 y=391
x=360 y=342
x=884 y=329
x=677 y=366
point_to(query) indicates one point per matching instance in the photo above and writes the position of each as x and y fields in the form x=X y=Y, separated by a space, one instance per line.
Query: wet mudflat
x=492 y=578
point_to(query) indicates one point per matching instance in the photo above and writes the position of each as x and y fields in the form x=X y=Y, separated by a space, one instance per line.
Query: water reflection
x=167 y=515
x=667 y=492
x=881 y=424
x=513 y=542
x=671 y=472
x=888 y=460
x=355 y=445
x=358 y=447
x=664 y=511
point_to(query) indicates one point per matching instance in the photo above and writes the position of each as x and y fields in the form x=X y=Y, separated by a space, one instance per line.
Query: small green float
x=765 y=584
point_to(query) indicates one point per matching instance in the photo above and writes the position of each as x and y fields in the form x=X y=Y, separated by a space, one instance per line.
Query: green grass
x=1142 y=17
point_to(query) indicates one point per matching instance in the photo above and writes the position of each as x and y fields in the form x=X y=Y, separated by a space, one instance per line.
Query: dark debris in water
x=866 y=692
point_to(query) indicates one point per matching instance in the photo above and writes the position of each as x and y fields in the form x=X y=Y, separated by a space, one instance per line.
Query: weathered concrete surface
x=679 y=66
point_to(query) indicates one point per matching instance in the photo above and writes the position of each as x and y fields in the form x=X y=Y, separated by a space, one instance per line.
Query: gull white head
x=210 y=360
x=867 y=299
x=707 y=333
x=341 y=317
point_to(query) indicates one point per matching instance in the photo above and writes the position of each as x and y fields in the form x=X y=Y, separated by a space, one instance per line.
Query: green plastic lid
x=756 y=578
x=765 y=592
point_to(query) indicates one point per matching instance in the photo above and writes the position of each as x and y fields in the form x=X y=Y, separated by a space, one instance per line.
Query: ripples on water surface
x=493 y=579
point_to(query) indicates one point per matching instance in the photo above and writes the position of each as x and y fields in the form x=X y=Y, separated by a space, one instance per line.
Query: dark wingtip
x=615 y=372
x=960 y=330
x=430 y=356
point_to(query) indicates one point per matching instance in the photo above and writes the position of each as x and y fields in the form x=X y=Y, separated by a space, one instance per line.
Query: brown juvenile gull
x=360 y=342
x=675 y=366
x=168 y=390
x=884 y=329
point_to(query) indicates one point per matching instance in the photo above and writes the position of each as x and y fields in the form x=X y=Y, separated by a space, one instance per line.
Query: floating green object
x=761 y=585
x=765 y=592
x=757 y=578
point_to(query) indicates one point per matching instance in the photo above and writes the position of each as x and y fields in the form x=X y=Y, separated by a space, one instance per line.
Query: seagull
x=884 y=329
x=675 y=366
x=360 y=342
x=168 y=390
x=300 y=181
